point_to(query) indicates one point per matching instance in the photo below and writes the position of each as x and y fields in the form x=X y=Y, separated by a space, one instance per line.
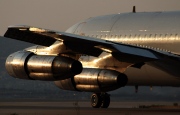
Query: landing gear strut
x=100 y=100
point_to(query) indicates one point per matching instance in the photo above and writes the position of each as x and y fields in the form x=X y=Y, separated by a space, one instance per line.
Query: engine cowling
x=27 y=65
x=94 y=80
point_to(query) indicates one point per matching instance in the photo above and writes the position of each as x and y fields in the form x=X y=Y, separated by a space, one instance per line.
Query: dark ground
x=84 y=108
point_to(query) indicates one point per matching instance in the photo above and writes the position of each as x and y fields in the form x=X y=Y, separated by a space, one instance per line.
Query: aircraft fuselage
x=158 y=31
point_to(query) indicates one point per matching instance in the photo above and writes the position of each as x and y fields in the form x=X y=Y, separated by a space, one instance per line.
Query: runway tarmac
x=84 y=108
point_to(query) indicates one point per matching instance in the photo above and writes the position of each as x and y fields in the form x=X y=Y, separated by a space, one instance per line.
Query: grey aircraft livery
x=102 y=54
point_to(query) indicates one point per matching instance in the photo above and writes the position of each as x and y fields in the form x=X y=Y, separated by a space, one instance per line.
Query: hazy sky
x=61 y=14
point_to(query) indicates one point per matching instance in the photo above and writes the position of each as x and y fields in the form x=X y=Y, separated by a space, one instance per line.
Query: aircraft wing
x=85 y=45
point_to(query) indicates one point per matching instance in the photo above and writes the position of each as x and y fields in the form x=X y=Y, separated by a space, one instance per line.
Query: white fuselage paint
x=159 y=31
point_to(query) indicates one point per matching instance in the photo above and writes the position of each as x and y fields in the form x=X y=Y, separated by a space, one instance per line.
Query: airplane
x=102 y=53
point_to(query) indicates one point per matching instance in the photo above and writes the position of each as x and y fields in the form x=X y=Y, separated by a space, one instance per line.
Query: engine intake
x=27 y=65
x=94 y=80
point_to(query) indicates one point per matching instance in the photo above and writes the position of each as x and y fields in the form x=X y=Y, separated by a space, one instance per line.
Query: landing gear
x=100 y=100
x=96 y=100
x=105 y=100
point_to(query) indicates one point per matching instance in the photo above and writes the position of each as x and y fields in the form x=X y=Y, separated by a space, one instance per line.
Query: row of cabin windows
x=136 y=36
x=174 y=36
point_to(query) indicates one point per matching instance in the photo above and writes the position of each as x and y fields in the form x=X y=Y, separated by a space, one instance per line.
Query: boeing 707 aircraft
x=102 y=54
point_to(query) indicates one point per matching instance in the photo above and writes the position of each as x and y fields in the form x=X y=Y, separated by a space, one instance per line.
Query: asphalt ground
x=84 y=108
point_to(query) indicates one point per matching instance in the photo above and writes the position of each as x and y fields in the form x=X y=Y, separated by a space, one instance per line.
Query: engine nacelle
x=27 y=65
x=94 y=80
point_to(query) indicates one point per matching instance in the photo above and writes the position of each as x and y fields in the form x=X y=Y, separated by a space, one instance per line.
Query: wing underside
x=81 y=44
x=90 y=46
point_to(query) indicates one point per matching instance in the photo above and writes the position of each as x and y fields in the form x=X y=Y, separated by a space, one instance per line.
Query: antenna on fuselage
x=134 y=9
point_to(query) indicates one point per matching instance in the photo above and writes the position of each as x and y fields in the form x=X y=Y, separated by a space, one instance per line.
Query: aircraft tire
x=96 y=100
x=105 y=101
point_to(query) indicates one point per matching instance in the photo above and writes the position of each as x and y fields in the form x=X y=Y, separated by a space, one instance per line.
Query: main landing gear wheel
x=96 y=100
x=105 y=100
x=100 y=100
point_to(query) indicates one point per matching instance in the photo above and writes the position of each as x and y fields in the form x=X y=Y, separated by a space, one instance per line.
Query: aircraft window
x=160 y=36
x=150 y=35
x=145 y=36
x=166 y=35
x=102 y=36
x=117 y=36
x=139 y=36
x=173 y=37
x=170 y=36
x=155 y=36
x=176 y=37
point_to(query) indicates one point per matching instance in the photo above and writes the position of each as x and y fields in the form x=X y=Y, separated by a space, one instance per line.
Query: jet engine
x=27 y=65
x=94 y=80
